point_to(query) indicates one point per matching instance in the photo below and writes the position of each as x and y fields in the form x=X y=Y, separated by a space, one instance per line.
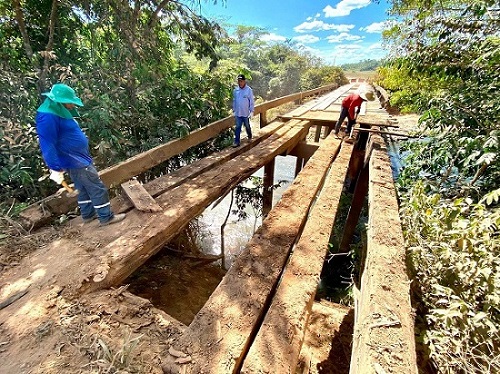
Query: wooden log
x=383 y=339
x=220 y=334
x=139 y=197
x=328 y=119
x=286 y=321
x=380 y=132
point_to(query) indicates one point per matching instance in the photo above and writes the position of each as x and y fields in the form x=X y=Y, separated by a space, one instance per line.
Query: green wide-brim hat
x=61 y=93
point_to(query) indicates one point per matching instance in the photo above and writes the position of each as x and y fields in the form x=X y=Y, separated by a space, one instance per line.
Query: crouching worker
x=350 y=109
x=65 y=148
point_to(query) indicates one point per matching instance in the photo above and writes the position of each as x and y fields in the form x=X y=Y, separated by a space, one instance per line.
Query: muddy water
x=180 y=286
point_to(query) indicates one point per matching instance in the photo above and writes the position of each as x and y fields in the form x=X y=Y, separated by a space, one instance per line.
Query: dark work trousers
x=344 y=113
x=93 y=195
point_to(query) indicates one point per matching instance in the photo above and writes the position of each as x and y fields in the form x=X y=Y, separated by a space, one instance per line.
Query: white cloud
x=344 y=36
x=374 y=28
x=376 y=47
x=344 y=7
x=306 y=39
x=316 y=25
x=272 y=37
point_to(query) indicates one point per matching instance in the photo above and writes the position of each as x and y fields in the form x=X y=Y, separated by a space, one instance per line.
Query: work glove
x=250 y=115
x=57 y=176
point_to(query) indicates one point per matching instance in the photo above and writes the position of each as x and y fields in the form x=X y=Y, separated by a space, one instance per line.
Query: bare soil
x=52 y=328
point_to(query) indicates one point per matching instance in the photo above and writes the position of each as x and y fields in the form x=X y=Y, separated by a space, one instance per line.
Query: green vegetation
x=147 y=73
x=446 y=68
x=365 y=65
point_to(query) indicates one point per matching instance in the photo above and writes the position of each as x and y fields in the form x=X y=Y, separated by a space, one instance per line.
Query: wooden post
x=267 y=199
x=358 y=199
x=318 y=132
x=263 y=119
x=355 y=165
x=298 y=165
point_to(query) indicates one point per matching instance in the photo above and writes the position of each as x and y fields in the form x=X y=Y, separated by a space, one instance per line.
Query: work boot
x=90 y=219
x=235 y=145
x=116 y=218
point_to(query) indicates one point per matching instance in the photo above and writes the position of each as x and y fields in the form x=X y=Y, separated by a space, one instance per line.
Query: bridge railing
x=42 y=211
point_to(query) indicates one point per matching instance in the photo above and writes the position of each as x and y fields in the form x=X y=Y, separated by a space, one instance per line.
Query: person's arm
x=251 y=102
x=47 y=136
x=234 y=102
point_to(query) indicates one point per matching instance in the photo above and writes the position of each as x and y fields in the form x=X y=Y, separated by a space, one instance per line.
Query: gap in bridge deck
x=182 y=276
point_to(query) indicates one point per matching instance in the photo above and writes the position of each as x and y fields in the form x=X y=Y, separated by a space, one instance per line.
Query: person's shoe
x=337 y=135
x=116 y=218
x=90 y=219
x=235 y=145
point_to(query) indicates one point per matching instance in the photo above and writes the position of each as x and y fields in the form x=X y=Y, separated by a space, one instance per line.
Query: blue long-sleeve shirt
x=243 y=102
x=63 y=144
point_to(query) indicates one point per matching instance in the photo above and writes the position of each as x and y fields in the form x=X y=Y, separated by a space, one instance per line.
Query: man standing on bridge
x=350 y=109
x=65 y=147
x=243 y=107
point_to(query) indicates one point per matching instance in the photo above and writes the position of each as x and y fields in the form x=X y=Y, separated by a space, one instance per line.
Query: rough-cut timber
x=221 y=333
x=184 y=203
x=278 y=343
x=171 y=180
x=323 y=101
x=139 y=197
x=370 y=119
x=383 y=337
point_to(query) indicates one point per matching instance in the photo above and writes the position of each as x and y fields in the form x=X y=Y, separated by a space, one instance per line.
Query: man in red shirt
x=351 y=106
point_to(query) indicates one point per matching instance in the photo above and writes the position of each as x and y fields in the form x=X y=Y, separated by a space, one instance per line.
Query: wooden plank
x=220 y=334
x=383 y=339
x=139 y=197
x=171 y=180
x=286 y=321
x=332 y=97
x=328 y=118
x=380 y=132
x=293 y=97
x=324 y=101
x=181 y=205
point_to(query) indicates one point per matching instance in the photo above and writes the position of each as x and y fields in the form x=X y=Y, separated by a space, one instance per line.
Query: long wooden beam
x=370 y=119
x=286 y=321
x=171 y=180
x=222 y=331
x=401 y=134
x=181 y=205
x=383 y=339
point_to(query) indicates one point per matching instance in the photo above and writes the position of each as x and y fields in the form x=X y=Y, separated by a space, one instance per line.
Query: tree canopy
x=444 y=64
x=147 y=72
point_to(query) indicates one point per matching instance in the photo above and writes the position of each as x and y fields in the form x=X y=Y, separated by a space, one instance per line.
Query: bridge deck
x=266 y=297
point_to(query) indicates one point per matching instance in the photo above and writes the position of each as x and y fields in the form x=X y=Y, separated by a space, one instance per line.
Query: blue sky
x=339 y=32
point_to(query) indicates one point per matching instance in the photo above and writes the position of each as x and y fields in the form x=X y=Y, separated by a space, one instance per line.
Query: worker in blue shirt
x=243 y=107
x=65 y=148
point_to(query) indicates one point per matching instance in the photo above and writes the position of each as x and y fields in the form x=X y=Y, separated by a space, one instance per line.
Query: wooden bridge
x=257 y=318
